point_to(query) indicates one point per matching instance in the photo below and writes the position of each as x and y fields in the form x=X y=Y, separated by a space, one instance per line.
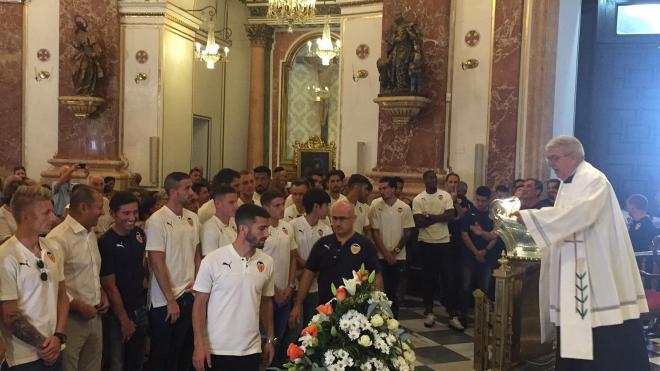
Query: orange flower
x=294 y=352
x=341 y=294
x=362 y=277
x=311 y=330
x=325 y=309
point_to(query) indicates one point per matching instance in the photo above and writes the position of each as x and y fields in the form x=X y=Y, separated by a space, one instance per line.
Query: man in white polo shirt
x=76 y=242
x=246 y=193
x=226 y=177
x=234 y=289
x=32 y=293
x=308 y=229
x=281 y=246
x=391 y=225
x=357 y=191
x=172 y=247
x=298 y=189
x=335 y=183
x=432 y=210
x=220 y=230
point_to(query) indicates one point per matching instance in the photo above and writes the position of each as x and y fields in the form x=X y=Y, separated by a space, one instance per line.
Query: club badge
x=440 y=197
x=285 y=231
x=51 y=256
x=320 y=232
x=260 y=266
x=400 y=210
x=138 y=237
x=355 y=248
x=190 y=221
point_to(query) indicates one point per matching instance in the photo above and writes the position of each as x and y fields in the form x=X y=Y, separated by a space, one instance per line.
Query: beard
x=254 y=241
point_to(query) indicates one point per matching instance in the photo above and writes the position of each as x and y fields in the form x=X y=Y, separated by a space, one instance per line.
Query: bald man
x=335 y=257
x=62 y=187
x=105 y=220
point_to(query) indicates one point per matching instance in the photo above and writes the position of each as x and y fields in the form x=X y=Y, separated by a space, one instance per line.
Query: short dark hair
x=553 y=180
x=429 y=172
x=197 y=187
x=313 y=197
x=9 y=189
x=311 y=173
x=268 y=196
x=338 y=173
x=122 y=198
x=356 y=179
x=222 y=190
x=390 y=180
x=195 y=169
x=262 y=170
x=399 y=179
x=483 y=191
x=639 y=201
x=538 y=185
x=172 y=180
x=452 y=174
x=109 y=179
x=278 y=169
x=518 y=180
x=502 y=188
x=225 y=176
x=299 y=182
x=248 y=213
x=19 y=167
x=83 y=194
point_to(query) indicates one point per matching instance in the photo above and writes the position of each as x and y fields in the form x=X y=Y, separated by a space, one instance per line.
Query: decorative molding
x=158 y=13
x=260 y=10
x=259 y=34
x=349 y=4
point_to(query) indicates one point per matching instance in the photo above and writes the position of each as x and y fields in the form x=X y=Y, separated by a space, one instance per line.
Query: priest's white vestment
x=589 y=276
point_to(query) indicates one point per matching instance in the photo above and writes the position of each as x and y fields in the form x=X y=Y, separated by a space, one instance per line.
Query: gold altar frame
x=314 y=145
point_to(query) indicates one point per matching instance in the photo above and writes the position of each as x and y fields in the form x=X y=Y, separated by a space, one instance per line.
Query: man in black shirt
x=336 y=256
x=641 y=229
x=122 y=277
x=551 y=189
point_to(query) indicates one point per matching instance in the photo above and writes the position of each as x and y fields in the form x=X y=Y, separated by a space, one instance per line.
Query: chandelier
x=318 y=93
x=210 y=53
x=291 y=12
x=325 y=49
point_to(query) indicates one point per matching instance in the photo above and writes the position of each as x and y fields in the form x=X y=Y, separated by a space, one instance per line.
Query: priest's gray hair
x=569 y=144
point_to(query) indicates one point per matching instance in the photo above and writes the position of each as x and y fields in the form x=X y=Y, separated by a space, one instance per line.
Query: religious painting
x=314 y=155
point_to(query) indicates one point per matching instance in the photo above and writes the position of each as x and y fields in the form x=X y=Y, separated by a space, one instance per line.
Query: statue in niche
x=401 y=72
x=88 y=69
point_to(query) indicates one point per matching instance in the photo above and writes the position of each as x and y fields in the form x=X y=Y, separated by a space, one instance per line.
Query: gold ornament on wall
x=43 y=55
x=362 y=51
x=472 y=38
x=141 y=56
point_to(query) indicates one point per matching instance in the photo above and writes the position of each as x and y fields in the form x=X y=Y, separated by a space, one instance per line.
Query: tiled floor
x=441 y=348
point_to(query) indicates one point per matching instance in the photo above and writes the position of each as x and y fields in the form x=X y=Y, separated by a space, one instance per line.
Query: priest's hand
x=519 y=218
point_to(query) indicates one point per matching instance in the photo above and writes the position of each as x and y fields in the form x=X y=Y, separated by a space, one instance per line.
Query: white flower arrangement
x=356 y=330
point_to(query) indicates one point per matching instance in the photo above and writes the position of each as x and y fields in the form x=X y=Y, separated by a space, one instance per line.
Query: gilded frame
x=284 y=101
x=314 y=145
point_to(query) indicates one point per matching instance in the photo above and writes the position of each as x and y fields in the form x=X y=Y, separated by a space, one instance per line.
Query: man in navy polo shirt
x=122 y=277
x=334 y=257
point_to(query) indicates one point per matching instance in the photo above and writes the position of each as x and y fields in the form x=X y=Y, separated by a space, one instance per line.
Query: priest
x=590 y=291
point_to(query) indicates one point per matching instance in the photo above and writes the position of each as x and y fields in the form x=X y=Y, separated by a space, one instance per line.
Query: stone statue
x=87 y=67
x=402 y=70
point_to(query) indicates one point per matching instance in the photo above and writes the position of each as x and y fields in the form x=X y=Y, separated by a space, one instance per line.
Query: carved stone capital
x=259 y=34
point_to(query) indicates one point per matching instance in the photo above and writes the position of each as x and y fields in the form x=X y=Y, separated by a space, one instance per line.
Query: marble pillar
x=96 y=139
x=261 y=36
x=419 y=145
x=11 y=88
x=504 y=92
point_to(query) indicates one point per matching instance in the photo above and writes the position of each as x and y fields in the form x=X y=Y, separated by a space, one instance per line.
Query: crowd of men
x=222 y=275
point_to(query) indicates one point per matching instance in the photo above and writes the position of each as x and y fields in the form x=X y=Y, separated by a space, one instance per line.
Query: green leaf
x=372 y=276
x=362 y=269
x=333 y=289
x=333 y=331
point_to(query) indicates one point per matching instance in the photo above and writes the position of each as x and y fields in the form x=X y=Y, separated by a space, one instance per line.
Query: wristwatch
x=60 y=336
x=272 y=341
x=397 y=250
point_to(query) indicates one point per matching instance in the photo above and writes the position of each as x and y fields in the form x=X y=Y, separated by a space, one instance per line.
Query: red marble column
x=419 y=145
x=11 y=85
x=96 y=137
x=504 y=90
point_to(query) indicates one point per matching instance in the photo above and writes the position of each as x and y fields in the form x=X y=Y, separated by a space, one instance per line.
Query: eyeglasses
x=554 y=158
x=42 y=268
x=340 y=218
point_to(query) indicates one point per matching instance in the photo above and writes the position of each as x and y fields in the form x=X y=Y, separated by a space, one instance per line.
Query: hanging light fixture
x=210 y=53
x=291 y=12
x=325 y=49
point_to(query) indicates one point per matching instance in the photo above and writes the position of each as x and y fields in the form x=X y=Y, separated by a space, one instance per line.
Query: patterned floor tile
x=464 y=349
x=453 y=366
x=446 y=337
x=437 y=354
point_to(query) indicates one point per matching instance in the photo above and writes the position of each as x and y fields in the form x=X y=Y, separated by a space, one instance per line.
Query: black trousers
x=392 y=275
x=171 y=344
x=235 y=363
x=616 y=348
x=439 y=260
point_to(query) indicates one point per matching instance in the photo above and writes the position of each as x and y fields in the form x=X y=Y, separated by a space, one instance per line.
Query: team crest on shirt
x=285 y=231
x=51 y=256
x=260 y=266
x=400 y=210
x=190 y=221
x=233 y=227
x=355 y=248
x=321 y=232
x=440 y=197
x=138 y=237
x=360 y=208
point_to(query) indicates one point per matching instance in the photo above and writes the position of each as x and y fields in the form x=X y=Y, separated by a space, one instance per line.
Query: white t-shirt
x=279 y=246
x=335 y=200
x=291 y=213
x=216 y=234
x=7 y=224
x=235 y=285
x=20 y=280
x=306 y=236
x=105 y=220
x=390 y=221
x=288 y=201
x=433 y=204
x=178 y=238
x=206 y=211
x=256 y=198
x=361 y=217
